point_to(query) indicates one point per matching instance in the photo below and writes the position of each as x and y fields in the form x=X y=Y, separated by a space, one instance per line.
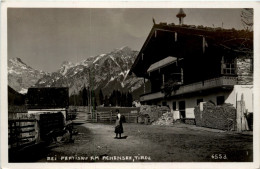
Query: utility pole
x=93 y=100
x=90 y=99
x=74 y=97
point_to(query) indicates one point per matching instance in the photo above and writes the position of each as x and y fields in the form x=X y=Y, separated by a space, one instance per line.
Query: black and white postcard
x=129 y=84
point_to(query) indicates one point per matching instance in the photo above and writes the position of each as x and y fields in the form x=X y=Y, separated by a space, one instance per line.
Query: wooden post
x=11 y=130
x=239 y=118
x=16 y=134
x=144 y=85
x=110 y=117
x=128 y=117
x=222 y=65
x=37 y=128
x=181 y=76
x=19 y=131
x=244 y=125
x=163 y=79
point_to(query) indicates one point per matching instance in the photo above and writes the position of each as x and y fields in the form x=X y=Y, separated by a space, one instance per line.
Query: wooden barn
x=43 y=120
x=49 y=99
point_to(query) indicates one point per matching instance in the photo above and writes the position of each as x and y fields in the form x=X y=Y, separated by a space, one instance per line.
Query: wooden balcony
x=151 y=96
x=207 y=84
x=224 y=81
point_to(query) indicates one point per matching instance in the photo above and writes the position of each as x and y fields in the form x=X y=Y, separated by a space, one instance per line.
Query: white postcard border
x=127 y=4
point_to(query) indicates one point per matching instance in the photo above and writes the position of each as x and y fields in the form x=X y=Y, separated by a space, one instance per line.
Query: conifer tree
x=101 y=97
x=106 y=102
x=129 y=99
x=84 y=96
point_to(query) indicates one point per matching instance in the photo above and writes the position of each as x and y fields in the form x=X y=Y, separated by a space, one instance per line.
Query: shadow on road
x=124 y=137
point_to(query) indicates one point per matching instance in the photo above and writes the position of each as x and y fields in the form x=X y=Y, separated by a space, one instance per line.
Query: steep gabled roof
x=174 y=40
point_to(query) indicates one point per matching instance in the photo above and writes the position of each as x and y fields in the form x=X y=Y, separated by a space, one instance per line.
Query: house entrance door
x=182 y=109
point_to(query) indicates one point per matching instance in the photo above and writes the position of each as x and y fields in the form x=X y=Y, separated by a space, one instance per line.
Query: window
x=220 y=100
x=199 y=100
x=174 y=106
x=182 y=108
x=164 y=103
x=228 y=66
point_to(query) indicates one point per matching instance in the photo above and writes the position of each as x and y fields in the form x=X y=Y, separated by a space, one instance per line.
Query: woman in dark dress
x=119 y=126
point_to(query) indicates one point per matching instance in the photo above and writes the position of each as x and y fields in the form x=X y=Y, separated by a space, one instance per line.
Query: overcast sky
x=44 y=38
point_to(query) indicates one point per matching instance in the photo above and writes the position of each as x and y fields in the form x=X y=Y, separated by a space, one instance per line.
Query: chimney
x=181 y=16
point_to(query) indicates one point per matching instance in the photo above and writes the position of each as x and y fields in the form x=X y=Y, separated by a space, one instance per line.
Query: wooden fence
x=28 y=129
x=109 y=116
x=103 y=114
x=21 y=132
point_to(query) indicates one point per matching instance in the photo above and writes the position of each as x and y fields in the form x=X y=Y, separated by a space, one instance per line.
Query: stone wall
x=244 y=72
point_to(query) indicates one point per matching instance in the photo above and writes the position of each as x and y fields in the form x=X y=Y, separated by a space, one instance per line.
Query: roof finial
x=154 y=21
x=181 y=16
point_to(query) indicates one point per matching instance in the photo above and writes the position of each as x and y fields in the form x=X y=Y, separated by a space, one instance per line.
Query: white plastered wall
x=247 y=91
x=230 y=97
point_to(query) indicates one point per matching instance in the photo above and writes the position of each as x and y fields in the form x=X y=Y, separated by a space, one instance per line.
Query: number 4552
x=219 y=156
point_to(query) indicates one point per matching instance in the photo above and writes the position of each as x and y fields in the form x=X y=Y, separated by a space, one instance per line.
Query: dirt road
x=148 y=143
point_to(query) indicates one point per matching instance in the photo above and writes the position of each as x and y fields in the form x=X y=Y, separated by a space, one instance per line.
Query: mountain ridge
x=105 y=71
x=21 y=76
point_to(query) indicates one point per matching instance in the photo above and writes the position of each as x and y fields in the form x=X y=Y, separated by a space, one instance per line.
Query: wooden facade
x=203 y=62
x=48 y=98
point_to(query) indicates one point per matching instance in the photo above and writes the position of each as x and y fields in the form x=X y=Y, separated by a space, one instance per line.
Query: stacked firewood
x=219 y=117
x=166 y=119
x=153 y=112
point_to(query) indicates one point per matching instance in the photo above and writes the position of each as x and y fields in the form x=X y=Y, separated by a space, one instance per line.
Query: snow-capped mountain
x=105 y=71
x=22 y=76
x=65 y=66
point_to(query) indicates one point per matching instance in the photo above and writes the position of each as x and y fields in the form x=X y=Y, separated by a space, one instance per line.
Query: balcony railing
x=151 y=96
x=199 y=86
